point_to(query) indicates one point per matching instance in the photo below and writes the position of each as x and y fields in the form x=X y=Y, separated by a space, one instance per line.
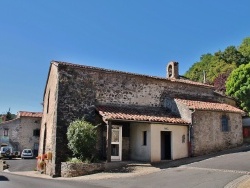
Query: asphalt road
x=173 y=178
x=15 y=181
x=215 y=172
x=18 y=164
x=235 y=161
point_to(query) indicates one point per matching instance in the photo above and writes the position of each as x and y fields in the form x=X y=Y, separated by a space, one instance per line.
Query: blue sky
x=139 y=36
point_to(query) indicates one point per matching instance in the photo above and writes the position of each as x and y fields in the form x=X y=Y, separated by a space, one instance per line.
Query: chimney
x=173 y=70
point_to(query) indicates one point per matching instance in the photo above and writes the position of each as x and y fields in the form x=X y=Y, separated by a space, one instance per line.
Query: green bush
x=82 y=139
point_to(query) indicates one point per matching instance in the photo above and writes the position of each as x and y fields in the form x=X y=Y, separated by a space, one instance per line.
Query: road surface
x=214 y=172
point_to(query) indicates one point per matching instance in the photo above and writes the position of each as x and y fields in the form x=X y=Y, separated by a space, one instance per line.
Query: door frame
x=164 y=149
x=119 y=157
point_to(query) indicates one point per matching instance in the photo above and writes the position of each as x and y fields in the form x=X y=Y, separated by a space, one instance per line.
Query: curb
x=237 y=182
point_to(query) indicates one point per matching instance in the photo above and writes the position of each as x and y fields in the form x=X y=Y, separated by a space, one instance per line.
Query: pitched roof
x=29 y=114
x=185 y=81
x=150 y=114
x=10 y=121
x=201 y=105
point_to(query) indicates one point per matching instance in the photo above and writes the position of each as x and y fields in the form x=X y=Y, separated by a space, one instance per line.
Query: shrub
x=82 y=140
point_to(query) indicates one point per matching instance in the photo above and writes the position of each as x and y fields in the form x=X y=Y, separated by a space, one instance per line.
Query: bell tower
x=173 y=70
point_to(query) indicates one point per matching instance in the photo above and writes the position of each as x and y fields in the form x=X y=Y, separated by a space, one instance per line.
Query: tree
x=231 y=55
x=220 y=82
x=9 y=115
x=238 y=86
x=82 y=139
x=195 y=73
x=213 y=65
x=220 y=62
x=244 y=48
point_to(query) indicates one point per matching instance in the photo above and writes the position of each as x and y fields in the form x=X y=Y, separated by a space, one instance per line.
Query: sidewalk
x=245 y=183
x=131 y=170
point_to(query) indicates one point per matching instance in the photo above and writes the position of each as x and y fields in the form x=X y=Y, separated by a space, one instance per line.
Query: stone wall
x=13 y=127
x=21 y=132
x=26 y=137
x=49 y=123
x=208 y=132
x=81 y=88
x=122 y=88
x=70 y=169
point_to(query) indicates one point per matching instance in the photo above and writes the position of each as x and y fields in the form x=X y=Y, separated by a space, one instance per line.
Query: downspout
x=190 y=135
x=108 y=146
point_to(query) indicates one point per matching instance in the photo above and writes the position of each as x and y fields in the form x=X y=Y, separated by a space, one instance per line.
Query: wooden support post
x=108 y=146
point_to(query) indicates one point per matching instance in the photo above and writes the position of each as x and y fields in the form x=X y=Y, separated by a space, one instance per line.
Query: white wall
x=152 y=151
x=137 y=150
x=178 y=149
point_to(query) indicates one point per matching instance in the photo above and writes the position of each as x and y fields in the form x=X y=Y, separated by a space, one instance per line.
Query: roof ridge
x=9 y=121
x=29 y=111
x=184 y=81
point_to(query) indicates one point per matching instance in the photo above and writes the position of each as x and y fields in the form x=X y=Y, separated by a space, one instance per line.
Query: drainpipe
x=108 y=146
x=190 y=135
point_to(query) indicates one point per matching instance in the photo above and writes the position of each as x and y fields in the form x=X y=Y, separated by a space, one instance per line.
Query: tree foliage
x=244 y=48
x=9 y=116
x=220 y=63
x=238 y=86
x=220 y=81
x=82 y=139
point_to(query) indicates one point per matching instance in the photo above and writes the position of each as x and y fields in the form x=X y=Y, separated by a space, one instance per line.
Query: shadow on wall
x=171 y=106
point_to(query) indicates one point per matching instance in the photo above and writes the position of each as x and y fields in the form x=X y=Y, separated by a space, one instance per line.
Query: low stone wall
x=70 y=169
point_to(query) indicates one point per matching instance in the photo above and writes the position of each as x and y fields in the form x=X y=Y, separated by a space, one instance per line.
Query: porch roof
x=210 y=106
x=29 y=114
x=132 y=113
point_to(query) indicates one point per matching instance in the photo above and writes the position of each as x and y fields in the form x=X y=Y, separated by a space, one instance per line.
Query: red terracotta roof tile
x=138 y=114
x=30 y=114
x=201 y=105
x=185 y=81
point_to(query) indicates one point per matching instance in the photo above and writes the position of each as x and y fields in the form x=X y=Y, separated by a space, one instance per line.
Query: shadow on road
x=3 y=178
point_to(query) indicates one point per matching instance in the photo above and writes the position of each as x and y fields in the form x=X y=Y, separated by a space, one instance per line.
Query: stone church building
x=140 y=117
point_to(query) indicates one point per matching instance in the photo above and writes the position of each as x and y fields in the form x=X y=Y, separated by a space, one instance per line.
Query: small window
x=36 y=146
x=48 y=102
x=224 y=123
x=6 y=132
x=183 y=138
x=144 y=138
x=36 y=132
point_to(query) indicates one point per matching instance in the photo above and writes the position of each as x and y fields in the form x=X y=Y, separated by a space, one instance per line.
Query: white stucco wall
x=138 y=150
x=178 y=149
x=152 y=151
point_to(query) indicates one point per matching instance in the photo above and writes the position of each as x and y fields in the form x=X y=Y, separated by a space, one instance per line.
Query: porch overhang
x=139 y=114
